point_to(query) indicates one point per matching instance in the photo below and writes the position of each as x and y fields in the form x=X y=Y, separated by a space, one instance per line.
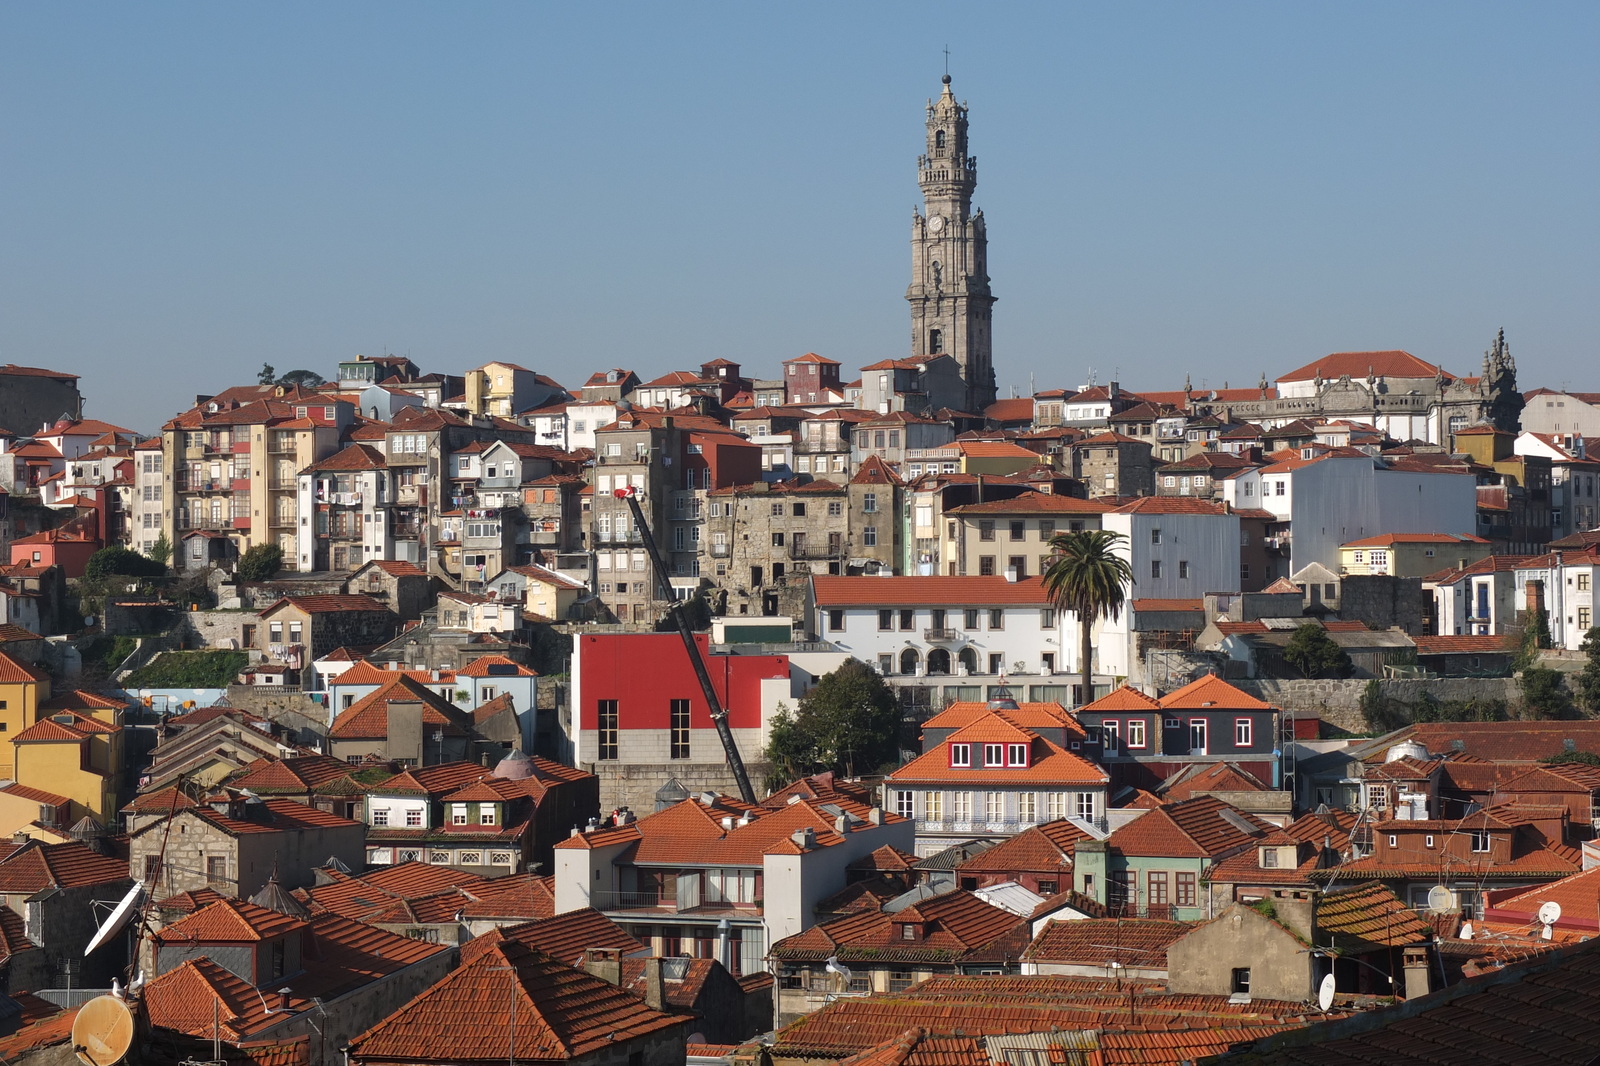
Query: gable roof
x=1193 y=828
x=1135 y=942
x=1391 y=364
x=368 y=717
x=1211 y=691
x=559 y=1013
x=67 y=865
x=956 y=925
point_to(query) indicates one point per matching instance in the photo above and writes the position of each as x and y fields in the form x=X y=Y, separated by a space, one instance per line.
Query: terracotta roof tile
x=229 y=921
x=561 y=936
x=1192 y=828
x=15 y=671
x=1212 y=691
x=953 y=926
x=69 y=865
x=1366 y=915
x=368 y=717
x=559 y=1012
x=1037 y=849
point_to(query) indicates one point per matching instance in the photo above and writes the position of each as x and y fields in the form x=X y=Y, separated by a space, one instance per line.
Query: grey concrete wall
x=634 y=786
x=1339 y=702
x=1382 y=601
x=1203 y=961
x=27 y=402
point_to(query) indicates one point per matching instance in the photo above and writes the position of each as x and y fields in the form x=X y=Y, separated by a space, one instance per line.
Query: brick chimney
x=604 y=963
x=655 y=992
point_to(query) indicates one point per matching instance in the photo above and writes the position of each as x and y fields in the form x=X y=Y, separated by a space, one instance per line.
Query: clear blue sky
x=191 y=190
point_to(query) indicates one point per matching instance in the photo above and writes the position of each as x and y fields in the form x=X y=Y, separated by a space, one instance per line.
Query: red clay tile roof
x=1212 y=691
x=229 y=921
x=50 y=1030
x=35 y=795
x=300 y=773
x=15 y=671
x=1465 y=644
x=1037 y=849
x=1049 y=763
x=1366 y=915
x=1192 y=828
x=351 y=457
x=526 y=896
x=191 y=901
x=161 y=801
x=561 y=936
x=874 y=471
x=70 y=865
x=1393 y=364
x=1171 y=505
x=559 y=1012
x=954 y=926
x=1154 y=605
x=1217 y=777
x=1034 y=503
x=1498 y=742
x=936 y=591
x=284 y=816
x=1027 y=715
x=916 y=1047
x=1134 y=942
x=368 y=717
x=1123 y=698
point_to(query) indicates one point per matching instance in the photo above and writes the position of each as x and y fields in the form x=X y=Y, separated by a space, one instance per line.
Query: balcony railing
x=808 y=550
x=721 y=551
x=941 y=635
x=657 y=901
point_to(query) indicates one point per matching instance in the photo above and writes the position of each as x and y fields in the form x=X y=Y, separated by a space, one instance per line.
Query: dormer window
x=1269 y=858
x=908 y=931
x=992 y=754
x=458 y=814
x=486 y=816
x=961 y=755
x=1017 y=755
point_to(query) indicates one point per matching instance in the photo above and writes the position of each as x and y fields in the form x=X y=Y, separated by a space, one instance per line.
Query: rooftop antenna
x=1549 y=915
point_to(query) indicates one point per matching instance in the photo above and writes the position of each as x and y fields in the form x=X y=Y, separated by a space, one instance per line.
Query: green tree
x=268 y=376
x=849 y=721
x=161 y=550
x=1587 y=682
x=305 y=379
x=1585 y=758
x=1535 y=636
x=1312 y=652
x=1543 y=695
x=259 y=563
x=1087 y=577
x=125 y=562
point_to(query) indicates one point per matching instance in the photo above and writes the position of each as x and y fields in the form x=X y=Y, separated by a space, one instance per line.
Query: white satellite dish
x=117 y=918
x=1439 y=898
x=1325 y=993
x=1550 y=913
x=1466 y=930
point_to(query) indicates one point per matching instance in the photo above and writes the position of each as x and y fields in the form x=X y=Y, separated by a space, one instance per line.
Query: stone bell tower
x=949 y=292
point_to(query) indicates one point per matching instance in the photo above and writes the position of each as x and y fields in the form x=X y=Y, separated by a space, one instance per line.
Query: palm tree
x=1087 y=577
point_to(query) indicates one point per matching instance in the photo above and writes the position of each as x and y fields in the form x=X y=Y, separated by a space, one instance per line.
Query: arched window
x=938 y=661
x=968 y=658
x=938 y=140
x=908 y=661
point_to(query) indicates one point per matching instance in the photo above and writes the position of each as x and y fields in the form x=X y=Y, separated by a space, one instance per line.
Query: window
x=908 y=931
x=835 y=620
x=1583 y=581
x=899 y=980
x=216 y=869
x=869 y=536
x=885 y=620
x=1155 y=536
x=1427 y=841
x=986 y=529
x=905 y=804
x=1394 y=841
x=1027 y=807
x=679 y=713
x=835 y=508
x=458 y=814
x=1480 y=840
x=777 y=540
x=1017 y=529
x=1047 y=618
x=1241 y=980
x=1047 y=529
x=380 y=816
x=869 y=502
x=1017 y=565
x=993 y=754
x=1156 y=888
x=1269 y=858
x=1185 y=887
x=1241 y=732
x=777 y=510
x=1136 y=733
x=486 y=815
x=1055 y=805
x=608 y=729
x=414 y=817
x=997 y=618
x=961 y=755
x=1109 y=732
x=1277 y=488
x=985 y=566
x=1183 y=569
x=961 y=806
x=1016 y=755
x=1155 y=568
x=970 y=618
x=933 y=806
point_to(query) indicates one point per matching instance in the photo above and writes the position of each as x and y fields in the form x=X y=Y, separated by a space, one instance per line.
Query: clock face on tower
x=936 y=224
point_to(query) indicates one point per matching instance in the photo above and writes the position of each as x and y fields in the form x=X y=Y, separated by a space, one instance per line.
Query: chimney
x=283 y=999
x=655 y=993
x=841 y=824
x=875 y=816
x=804 y=838
x=1535 y=595
x=1418 y=979
x=604 y=963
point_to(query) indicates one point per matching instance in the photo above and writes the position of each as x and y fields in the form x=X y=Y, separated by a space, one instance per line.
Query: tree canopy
x=121 y=561
x=1312 y=652
x=259 y=563
x=1587 y=682
x=848 y=723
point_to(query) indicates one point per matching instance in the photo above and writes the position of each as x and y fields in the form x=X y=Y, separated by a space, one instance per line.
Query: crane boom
x=719 y=716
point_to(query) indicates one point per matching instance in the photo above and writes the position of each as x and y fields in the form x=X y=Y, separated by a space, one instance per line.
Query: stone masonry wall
x=1339 y=702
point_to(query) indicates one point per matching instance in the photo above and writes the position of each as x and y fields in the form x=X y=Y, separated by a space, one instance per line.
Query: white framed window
x=961 y=755
x=458 y=814
x=961 y=806
x=933 y=806
x=994 y=806
x=1017 y=755
x=994 y=755
x=1136 y=733
x=1056 y=805
x=905 y=804
x=1085 y=804
x=1241 y=732
x=1027 y=807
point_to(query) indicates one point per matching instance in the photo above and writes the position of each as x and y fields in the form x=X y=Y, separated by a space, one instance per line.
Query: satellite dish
x=102 y=1031
x=1325 y=993
x=1439 y=898
x=1550 y=913
x=1466 y=930
x=117 y=919
x=88 y=620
